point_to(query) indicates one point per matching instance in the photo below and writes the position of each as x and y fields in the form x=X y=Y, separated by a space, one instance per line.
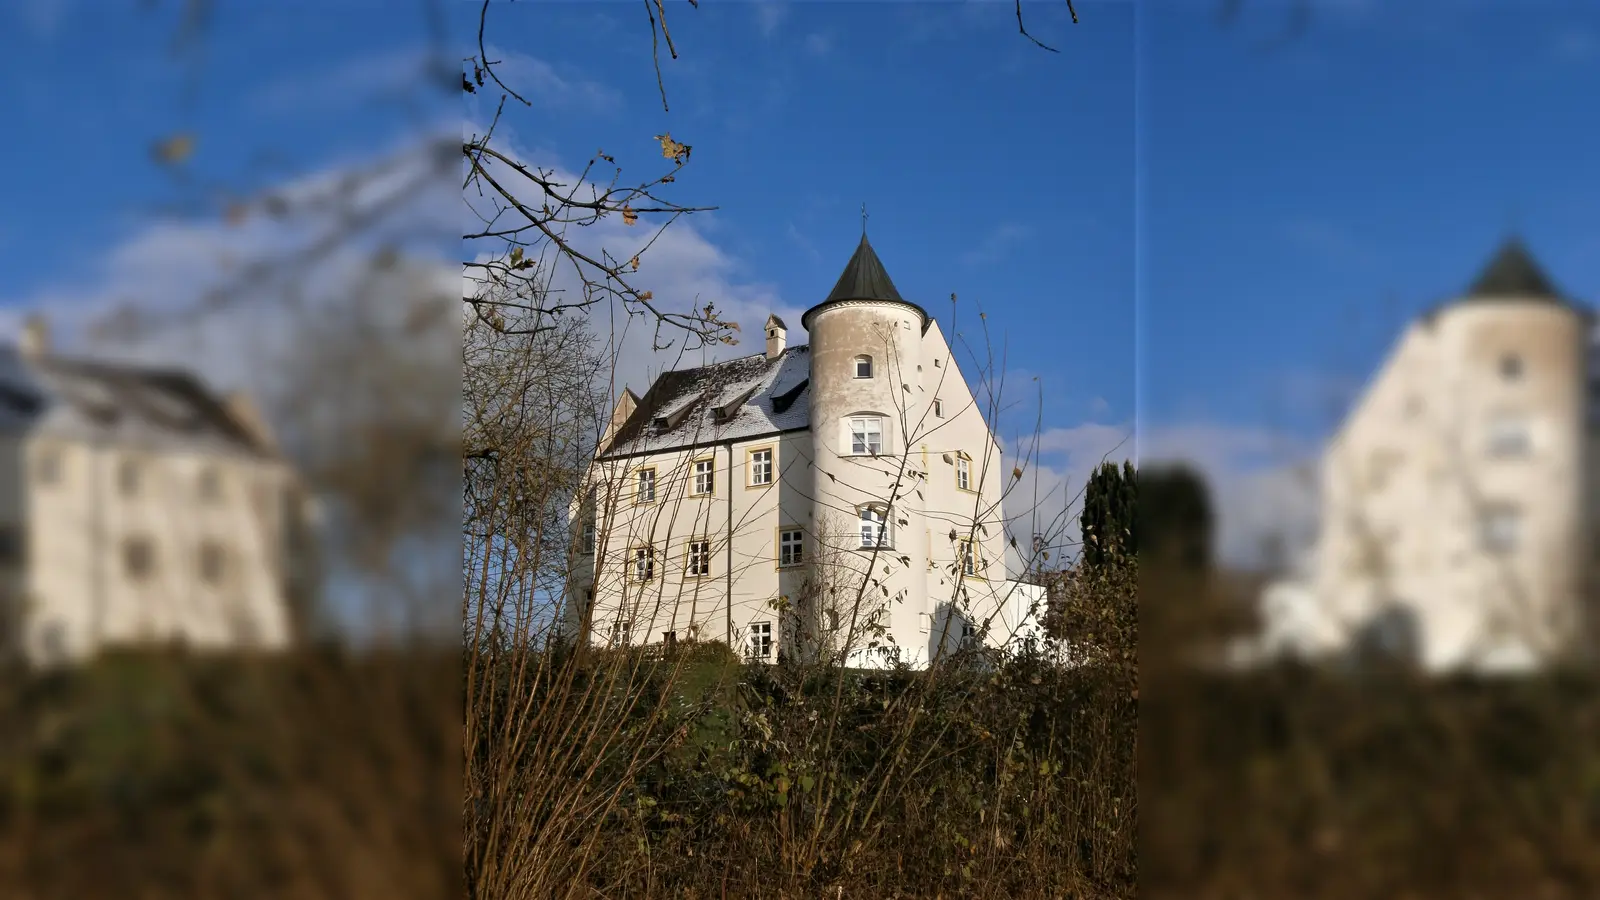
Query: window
x=863 y=367
x=647 y=486
x=761 y=467
x=53 y=639
x=791 y=547
x=761 y=640
x=1508 y=436
x=704 y=472
x=969 y=558
x=128 y=477
x=621 y=632
x=210 y=484
x=1502 y=528
x=866 y=436
x=588 y=540
x=963 y=472
x=48 y=466
x=10 y=546
x=1511 y=367
x=938 y=408
x=874 y=528
x=699 y=559
x=213 y=563
x=936 y=362
x=670 y=639
x=138 y=557
x=644 y=563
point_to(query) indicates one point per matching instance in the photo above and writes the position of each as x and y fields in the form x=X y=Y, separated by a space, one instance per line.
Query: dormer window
x=863 y=367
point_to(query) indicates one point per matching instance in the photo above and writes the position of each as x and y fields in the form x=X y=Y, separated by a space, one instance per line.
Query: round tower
x=867 y=409
x=1460 y=486
x=1519 y=348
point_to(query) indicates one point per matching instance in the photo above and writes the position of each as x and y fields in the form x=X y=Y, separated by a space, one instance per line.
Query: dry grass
x=157 y=776
x=1296 y=782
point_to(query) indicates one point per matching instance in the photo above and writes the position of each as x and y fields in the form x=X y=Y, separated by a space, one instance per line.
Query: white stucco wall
x=73 y=590
x=819 y=486
x=1409 y=478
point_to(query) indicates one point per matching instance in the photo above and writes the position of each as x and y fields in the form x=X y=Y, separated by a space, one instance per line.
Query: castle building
x=138 y=508
x=840 y=497
x=1458 y=496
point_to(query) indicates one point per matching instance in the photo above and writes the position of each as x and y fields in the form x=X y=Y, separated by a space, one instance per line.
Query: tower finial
x=863 y=220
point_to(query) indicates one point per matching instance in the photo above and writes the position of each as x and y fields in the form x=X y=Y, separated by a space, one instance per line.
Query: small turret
x=777 y=337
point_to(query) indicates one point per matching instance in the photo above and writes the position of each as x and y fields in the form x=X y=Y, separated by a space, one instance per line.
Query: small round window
x=1511 y=367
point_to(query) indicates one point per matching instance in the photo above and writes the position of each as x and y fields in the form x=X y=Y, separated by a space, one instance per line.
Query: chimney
x=35 y=340
x=777 y=337
x=248 y=416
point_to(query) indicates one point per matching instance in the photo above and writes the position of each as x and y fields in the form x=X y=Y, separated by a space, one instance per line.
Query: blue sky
x=1171 y=222
x=271 y=94
x=989 y=169
x=1163 y=215
x=1300 y=205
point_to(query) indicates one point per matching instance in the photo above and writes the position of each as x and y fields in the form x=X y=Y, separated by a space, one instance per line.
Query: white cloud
x=42 y=18
x=1576 y=45
x=683 y=269
x=770 y=14
x=804 y=243
x=1330 y=242
x=818 y=44
x=547 y=86
x=996 y=244
x=1261 y=483
x=1260 y=480
x=368 y=79
x=214 y=292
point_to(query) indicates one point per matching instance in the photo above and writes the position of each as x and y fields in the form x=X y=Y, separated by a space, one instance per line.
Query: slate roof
x=732 y=400
x=119 y=404
x=1513 y=272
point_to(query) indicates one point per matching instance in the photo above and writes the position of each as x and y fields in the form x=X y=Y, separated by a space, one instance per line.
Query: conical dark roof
x=864 y=278
x=1513 y=272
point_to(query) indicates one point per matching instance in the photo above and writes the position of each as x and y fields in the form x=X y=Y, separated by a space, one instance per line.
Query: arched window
x=874 y=527
x=863 y=367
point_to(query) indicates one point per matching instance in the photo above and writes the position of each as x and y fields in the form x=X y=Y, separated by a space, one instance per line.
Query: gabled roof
x=740 y=398
x=118 y=403
x=863 y=278
x=1513 y=272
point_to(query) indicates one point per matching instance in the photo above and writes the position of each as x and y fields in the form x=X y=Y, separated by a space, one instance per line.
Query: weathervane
x=863 y=220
